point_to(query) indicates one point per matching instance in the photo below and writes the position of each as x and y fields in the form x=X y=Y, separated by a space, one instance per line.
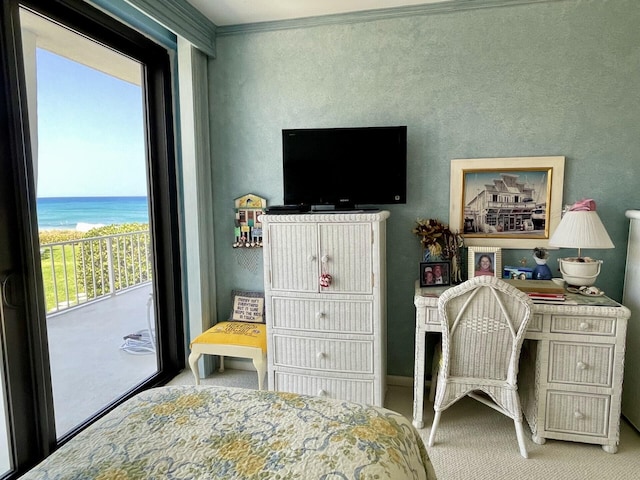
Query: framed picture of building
x=506 y=202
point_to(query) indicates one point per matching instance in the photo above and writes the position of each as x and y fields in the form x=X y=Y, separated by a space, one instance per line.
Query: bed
x=198 y=432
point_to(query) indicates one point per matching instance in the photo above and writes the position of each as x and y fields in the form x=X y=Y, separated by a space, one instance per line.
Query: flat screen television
x=344 y=168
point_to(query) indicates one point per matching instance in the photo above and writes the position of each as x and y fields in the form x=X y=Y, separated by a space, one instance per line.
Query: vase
x=542 y=270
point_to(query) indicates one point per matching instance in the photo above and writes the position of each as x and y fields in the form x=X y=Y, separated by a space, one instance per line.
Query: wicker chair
x=483 y=325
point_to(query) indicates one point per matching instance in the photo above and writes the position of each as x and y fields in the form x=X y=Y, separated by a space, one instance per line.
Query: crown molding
x=451 y=6
x=183 y=19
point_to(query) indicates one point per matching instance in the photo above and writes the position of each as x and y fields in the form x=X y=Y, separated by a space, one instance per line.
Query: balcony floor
x=88 y=368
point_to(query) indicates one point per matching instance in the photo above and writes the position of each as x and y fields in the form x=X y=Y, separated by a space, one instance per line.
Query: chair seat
x=233 y=339
x=234 y=333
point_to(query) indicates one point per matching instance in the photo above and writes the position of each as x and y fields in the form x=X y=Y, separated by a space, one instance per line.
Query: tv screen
x=345 y=167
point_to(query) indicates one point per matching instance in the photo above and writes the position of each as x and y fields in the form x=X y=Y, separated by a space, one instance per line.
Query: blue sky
x=90 y=132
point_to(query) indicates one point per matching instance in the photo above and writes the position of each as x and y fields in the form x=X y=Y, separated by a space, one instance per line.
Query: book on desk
x=539 y=291
x=548 y=292
x=536 y=286
x=542 y=291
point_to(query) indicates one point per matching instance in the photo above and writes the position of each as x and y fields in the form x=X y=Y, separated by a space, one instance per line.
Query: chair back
x=483 y=324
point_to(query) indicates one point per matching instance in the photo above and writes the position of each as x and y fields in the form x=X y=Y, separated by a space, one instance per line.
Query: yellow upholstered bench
x=244 y=339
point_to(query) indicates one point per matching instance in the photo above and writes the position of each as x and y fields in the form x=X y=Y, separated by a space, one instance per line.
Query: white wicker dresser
x=326 y=340
x=571 y=368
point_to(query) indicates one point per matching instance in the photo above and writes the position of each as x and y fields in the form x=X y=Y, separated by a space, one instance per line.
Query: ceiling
x=236 y=12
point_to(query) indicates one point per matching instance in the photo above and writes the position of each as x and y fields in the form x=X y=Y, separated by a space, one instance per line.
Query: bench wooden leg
x=193 y=363
x=261 y=368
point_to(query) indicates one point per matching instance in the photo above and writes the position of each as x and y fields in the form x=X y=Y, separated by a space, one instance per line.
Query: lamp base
x=579 y=271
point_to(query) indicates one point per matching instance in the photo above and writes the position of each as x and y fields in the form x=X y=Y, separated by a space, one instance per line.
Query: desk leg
x=538 y=440
x=418 y=379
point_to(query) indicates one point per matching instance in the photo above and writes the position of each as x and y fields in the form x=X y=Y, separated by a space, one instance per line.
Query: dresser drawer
x=350 y=356
x=354 y=390
x=586 y=364
x=585 y=414
x=583 y=325
x=344 y=316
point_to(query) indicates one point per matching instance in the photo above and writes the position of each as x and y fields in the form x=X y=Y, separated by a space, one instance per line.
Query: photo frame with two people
x=435 y=274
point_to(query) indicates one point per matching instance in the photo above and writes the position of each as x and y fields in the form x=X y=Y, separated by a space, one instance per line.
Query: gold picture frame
x=475 y=263
x=511 y=202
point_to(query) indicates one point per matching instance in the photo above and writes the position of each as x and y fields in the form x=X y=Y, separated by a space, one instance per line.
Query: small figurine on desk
x=542 y=271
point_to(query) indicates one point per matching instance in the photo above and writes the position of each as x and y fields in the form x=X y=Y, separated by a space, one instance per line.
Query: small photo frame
x=435 y=274
x=484 y=261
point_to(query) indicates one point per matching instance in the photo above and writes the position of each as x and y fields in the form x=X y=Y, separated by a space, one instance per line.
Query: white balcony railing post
x=85 y=247
x=112 y=278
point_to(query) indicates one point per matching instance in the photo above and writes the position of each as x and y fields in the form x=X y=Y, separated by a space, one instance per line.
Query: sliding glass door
x=89 y=258
x=93 y=216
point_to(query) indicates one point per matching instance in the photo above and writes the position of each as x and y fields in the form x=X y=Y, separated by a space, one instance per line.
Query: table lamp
x=580 y=227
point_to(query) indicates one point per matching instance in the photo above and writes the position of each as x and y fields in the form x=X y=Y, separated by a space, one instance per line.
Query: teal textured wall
x=558 y=78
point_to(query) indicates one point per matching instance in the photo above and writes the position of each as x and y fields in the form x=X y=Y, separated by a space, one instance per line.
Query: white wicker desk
x=571 y=368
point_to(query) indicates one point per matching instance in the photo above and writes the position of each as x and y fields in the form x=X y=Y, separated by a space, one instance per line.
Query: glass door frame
x=26 y=362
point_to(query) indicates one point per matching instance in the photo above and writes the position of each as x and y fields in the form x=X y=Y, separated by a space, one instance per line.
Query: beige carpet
x=475 y=442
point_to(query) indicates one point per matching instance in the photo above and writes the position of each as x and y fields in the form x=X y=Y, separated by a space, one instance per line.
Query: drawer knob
x=321 y=355
x=325 y=258
x=311 y=258
x=582 y=365
x=320 y=315
x=322 y=392
x=583 y=326
x=579 y=415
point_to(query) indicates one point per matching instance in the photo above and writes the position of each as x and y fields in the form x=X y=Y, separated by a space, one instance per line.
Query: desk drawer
x=349 y=356
x=583 y=325
x=323 y=315
x=535 y=323
x=582 y=363
x=584 y=414
x=428 y=316
x=355 y=390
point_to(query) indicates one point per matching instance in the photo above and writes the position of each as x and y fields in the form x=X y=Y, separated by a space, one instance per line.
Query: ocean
x=84 y=213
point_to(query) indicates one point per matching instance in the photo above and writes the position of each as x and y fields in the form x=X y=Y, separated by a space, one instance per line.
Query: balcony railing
x=84 y=270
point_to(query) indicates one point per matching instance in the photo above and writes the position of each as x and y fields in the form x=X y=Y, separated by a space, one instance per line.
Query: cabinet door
x=294 y=257
x=346 y=254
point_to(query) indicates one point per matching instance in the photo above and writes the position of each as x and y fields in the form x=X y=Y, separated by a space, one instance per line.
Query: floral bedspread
x=207 y=432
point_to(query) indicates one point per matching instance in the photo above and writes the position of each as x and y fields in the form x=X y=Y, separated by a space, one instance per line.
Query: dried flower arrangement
x=440 y=243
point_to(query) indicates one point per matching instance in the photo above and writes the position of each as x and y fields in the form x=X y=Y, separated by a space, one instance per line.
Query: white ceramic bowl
x=579 y=273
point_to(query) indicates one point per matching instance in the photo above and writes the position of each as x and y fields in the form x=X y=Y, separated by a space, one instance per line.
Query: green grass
x=65 y=292
x=53 y=269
